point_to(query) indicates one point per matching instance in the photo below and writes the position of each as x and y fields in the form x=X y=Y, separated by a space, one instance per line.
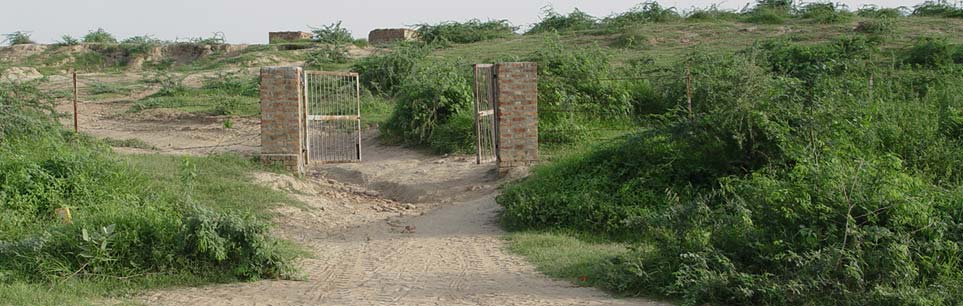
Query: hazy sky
x=248 y=21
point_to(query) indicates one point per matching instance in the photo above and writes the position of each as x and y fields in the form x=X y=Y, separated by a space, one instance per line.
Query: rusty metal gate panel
x=333 y=117
x=485 y=115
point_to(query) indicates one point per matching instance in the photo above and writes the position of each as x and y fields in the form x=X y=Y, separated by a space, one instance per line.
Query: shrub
x=826 y=12
x=100 y=36
x=877 y=26
x=873 y=11
x=333 y=34
x=769 y=12
x=553 y=21
x=139 y=44
x=429 y=98
x=647 y=12
x=18 y=38
x=930 y=52
x=465 y=32
x=68 y=40
x=938 y=8
x=384 y=73
x=360 y=43
x=216 y=38
x=234 y=83
x=328 y=54
x=711 y=13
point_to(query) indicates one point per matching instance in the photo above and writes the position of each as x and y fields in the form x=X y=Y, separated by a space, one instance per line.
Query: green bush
x=711 y=13
x=873 y=11
x=465 y=32
x=931 y=52
x=100 y=36
x=428 y=100
x=938 y=8
x=234 y=83
x=333 y=34
x=877 y=26
x=328 y=54
x=68 y=40
x=770 y=12
x=384 y=73
x=18 y=38
x=552 y=21
x=648 y=12
x=824 y=12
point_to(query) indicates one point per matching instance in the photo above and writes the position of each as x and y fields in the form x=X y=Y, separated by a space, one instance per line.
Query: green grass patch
x=566 y=256
x=129 y=143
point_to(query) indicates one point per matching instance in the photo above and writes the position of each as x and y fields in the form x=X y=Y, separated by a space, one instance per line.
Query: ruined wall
x=388 y=36
x=281 y=37
x=282 y=112
x=517 y=109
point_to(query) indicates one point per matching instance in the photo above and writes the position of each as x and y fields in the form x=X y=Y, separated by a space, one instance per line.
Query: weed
x=465 y=32
x=100 y=36
x=333 y=34
x=552 y=21
x=18 y=38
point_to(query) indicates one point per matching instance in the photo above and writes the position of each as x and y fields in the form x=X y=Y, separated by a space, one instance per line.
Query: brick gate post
x=282 y=115
x=517 y=107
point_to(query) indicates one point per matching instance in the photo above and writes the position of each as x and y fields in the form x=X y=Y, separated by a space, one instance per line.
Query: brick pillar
x=282 y=112
x=517 y=107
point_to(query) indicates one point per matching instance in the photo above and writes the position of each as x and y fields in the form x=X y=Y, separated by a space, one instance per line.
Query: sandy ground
x=401 y=228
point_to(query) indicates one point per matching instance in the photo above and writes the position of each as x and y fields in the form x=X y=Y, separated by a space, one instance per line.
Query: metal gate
x=485 y=117
x=333 y=117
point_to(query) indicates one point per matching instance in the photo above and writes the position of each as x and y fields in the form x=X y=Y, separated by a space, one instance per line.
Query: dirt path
x=449 y=256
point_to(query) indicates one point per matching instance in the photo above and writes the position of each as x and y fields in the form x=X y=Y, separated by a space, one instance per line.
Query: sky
x=249 y=21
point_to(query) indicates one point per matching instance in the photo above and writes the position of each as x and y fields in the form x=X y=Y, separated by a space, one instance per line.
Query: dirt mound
x=18 y=53
x=20 y=74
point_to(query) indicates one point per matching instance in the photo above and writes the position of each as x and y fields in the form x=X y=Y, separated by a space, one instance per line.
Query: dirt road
x=450 y=256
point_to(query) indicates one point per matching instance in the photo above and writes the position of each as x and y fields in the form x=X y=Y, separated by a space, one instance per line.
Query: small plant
x=68 y=40
x=216 y=39
x=824 y=13
x=139 y=44
x=631 y=40
x=577 y=20
x=711 y=13
x=938 y=8
x=234 y=83
x=18 y=38
x=333 y=34
x=100 y=36
x=328 y=54
x=874 y=11
x=228 y=123
x=465 y=32
x=877 y=26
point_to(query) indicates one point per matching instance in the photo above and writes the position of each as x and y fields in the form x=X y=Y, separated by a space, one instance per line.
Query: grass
x=202 y=101
x=129 y=143
x=565 y=256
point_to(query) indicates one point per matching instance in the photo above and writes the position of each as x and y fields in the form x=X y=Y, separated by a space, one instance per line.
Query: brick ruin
x=389 y=36
x=282 y=37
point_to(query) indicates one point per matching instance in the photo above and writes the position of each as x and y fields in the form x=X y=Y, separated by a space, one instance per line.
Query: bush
x=139 y=45
x=711 y=13
x=465 y=32
x=428 y=100
x=234 y=83
x=877 y=26
x=939 y=8
x=333 y=34
x=930 y=52
x=553 y=21
x=18 y=38
x=770 y=12
x=826 y=12
x=328 y=54
x=68 y=40
x=99 y=37
x=384 y=73
x=647 y=12
x=873 y=11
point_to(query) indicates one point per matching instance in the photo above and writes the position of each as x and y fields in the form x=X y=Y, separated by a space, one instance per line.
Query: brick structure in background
x=517 y=113
x=282 y=37
x=282 y=112
x=387 y=36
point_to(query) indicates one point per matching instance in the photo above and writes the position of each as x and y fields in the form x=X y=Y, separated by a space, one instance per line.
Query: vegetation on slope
x=135 y=222
x=793 y=181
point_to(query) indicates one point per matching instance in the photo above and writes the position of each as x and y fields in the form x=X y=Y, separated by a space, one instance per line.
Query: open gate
x=333 y=117
x=485 y=116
